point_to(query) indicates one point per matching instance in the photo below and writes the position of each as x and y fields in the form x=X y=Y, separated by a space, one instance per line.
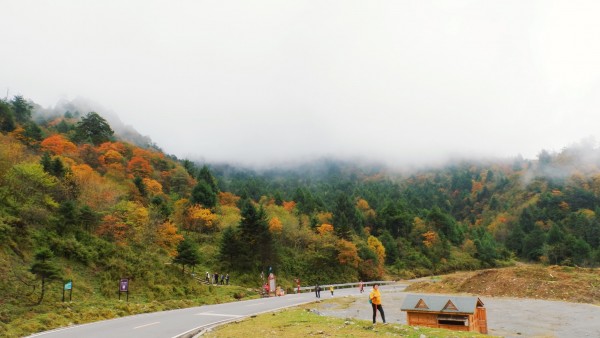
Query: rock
x=422 y=336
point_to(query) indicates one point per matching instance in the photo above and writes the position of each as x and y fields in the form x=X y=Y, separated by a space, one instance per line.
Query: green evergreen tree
x=89 y=218
x=46 y=162
x=203 y=194
x=346 y=218
x=63 y=127
x=21 y=108
x=187 y=254
x=7 y=118
x=45 y=269
x=68 y=219
x=255 y=238
x=139 y=183
x=392 y=253
x=32 y=131
x=57 y=168
x=206 y=176
x=229 y=248
x=93 y=129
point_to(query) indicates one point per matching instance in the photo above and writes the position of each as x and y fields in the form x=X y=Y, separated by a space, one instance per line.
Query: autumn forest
x=80 y=202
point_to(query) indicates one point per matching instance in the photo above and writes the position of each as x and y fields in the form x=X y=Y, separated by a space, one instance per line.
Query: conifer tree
x=94 y=129
x=45 y=269
x=187 y=254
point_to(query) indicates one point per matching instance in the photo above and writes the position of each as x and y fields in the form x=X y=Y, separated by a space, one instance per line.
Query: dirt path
x=507 y=317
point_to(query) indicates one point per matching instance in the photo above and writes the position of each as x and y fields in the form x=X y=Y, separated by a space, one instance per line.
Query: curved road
x=185 y=322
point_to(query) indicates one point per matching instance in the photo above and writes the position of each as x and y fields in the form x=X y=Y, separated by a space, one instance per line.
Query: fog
x=262 y=82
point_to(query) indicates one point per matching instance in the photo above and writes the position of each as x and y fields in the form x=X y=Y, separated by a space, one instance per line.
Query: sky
x=263 y=82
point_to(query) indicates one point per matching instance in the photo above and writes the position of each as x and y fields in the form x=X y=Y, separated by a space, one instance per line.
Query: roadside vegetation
x=305 y=322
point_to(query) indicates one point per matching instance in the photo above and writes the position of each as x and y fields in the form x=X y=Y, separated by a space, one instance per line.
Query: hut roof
x=437 y=303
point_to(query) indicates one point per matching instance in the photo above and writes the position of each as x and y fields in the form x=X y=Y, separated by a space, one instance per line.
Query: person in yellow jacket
x=375 y=300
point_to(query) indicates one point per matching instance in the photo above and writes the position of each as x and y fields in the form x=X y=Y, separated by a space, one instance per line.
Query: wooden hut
x=447 y=312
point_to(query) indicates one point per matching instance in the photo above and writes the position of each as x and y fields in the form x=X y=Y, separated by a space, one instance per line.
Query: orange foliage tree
x=114 y=229
x=228 y=199
x=168 y=238
x=275 y=225
x=139 y=166
x=128 y=222
x=289 y=206
x=58 y=145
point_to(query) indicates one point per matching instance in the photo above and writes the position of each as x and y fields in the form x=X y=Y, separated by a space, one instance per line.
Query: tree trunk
x=43 y=290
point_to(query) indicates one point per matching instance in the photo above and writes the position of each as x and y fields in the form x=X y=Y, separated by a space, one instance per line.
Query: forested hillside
x=77 y=202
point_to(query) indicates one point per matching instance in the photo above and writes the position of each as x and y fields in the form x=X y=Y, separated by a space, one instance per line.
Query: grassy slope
x=569 y=284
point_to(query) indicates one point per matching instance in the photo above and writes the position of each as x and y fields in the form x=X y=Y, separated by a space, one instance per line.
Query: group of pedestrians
x=214 y=279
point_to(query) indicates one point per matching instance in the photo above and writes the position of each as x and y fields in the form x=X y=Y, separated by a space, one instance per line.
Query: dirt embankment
x=569 y=284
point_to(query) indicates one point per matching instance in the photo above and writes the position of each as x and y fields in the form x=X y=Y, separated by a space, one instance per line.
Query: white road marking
x=139 y=327
x=216 y=314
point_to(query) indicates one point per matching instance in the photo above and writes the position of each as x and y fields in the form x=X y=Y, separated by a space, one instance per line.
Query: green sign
x=69 y=285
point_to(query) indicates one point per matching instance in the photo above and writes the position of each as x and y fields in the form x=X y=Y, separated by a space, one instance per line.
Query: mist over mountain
x=81 y=106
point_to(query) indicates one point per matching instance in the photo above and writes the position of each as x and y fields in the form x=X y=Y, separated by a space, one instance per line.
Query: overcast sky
x=405 y=82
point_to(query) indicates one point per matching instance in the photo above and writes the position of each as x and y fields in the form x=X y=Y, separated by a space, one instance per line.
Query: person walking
x=317 y=291
x=375 y=300
x=331 y=289
x=361 y=286
x=227 y=279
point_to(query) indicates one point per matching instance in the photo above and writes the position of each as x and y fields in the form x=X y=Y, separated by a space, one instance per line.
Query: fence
x=342 y=286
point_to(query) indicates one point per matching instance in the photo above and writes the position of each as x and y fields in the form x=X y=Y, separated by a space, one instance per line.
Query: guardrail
x=325 y=287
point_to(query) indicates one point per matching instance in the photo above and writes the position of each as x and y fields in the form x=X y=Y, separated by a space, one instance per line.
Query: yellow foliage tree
x=430 y=238
x=362 y=205
x=275 y=225
x=152 y=186
x=348 y=253
x=95 y=191
x=378 y=248
x=469 y=247
x=324 y=217
x=325 y=229
x=200 y=218
x=179 y=214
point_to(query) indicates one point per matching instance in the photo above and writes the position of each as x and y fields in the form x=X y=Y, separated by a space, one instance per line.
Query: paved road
x=177 y=323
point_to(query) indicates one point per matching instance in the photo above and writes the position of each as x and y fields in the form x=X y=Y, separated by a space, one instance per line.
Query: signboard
x=68 y=287
x=124 y=285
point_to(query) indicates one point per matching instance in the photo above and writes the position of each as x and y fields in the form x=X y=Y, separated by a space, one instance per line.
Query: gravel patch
x=507 y=317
